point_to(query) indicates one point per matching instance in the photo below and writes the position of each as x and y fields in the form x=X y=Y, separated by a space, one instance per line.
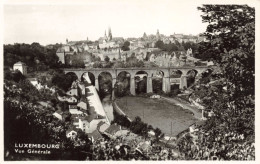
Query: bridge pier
x=166 y=85
x=113 y=88
x=96 y=84
x=132 y=85
x=113 y=82
x=149 y=85
x=183 y=82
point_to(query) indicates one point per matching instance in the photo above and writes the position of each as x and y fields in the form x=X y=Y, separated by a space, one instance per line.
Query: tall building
x=21 y=67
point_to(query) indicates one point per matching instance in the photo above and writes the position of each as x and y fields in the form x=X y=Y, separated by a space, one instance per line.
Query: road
x=184 y=105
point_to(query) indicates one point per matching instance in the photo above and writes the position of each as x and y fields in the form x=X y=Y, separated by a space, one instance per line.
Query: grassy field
x=158 y=113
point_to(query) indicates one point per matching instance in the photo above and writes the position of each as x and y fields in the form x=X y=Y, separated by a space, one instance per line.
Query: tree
x=107 y=59
x=231 y=34
x=63 y=81
x=159 y=44
x=97 y=65
x=125 y=46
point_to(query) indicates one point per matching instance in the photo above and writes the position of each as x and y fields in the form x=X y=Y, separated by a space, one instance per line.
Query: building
x=72 y=92
x=71 y=133
x=82 y=105
x=72 y=100
x=108 y=41
x=58 y=114
x=20 y=66
x=34 y=81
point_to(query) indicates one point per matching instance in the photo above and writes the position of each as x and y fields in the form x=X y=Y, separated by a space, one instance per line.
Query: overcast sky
x=54 y=23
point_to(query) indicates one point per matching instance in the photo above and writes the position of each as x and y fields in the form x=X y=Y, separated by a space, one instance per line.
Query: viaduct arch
x=166 y=84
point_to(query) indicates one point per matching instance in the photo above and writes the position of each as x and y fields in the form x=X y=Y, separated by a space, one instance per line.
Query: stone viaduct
x=166 y=84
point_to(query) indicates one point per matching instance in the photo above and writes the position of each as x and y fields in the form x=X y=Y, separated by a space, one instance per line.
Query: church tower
x=105 y=36
x=109 y=34
x=158 y=35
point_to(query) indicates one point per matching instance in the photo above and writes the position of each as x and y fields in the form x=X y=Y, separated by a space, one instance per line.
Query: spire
x=119 y=55
x=144 y=36
x=109 y=33
x=158 y=34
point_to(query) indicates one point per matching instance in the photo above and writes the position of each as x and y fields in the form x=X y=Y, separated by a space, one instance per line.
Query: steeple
x=144 y=36
x=158 y=34
x=119 y=55
x=109 y=34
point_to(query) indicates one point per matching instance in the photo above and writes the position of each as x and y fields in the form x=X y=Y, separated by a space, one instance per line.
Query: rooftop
x=19 y=63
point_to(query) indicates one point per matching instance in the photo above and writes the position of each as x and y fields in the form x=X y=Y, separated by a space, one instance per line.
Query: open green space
x=165 y=115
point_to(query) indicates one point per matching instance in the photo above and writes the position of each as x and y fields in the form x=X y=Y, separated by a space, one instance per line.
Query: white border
x=252 y=3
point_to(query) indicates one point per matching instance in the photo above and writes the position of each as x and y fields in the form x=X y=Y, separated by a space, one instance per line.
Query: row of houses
x=85 y=108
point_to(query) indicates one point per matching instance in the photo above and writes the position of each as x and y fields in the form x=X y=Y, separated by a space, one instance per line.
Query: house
x=88 y=124
x=95 y=135
x=71 y=133
x=72 y=92
x=21 y=67
x=37 y=84
x=34 y=81
x=72 y=100
x=112 y=129
x=74 y=110
x=102 y=127
x=82 y=105
x=58 y=114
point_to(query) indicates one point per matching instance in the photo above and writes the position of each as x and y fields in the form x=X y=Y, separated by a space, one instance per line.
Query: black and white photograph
x=123 y=80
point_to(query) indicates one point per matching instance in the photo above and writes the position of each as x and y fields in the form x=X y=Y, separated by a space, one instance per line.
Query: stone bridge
x=166 y=85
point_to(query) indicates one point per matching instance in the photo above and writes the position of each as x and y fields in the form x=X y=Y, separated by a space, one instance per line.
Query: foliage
x=122 y=86
x=107 y=59
x=141 y=86
x=125 y=46
x=137 y=126
x=34 y=55
x=97 y=64
x=62 y=80
x=176 y=46
x=231 y=32
x=132 y=61
x=118 y=64
x=94 y=58
x=13 y=76
x=26 y=122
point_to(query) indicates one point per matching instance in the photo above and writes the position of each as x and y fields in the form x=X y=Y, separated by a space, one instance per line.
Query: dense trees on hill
x=34 y=55
x=176 y=46
x=231 y=32
x=231 y=96
x=26 y=121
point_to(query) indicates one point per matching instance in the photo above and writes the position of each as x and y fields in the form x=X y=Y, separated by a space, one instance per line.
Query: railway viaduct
x=150 y=72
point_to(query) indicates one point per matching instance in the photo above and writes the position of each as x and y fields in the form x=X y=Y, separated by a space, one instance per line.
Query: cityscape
x=153 y=96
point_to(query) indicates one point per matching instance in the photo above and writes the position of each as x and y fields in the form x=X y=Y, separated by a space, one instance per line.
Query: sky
x=47 y=23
